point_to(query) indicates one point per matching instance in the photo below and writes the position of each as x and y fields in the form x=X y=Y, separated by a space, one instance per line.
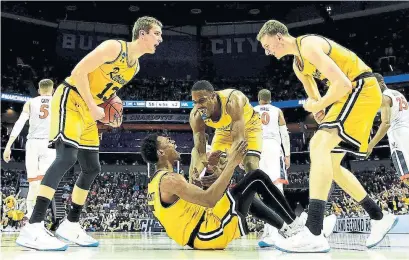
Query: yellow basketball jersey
x=225 y=120
x=178 y=219
x=347 y=61
x=108 y=78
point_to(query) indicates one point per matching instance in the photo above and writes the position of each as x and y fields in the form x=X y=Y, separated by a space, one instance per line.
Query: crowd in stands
x=117 y=200
x=383 y=187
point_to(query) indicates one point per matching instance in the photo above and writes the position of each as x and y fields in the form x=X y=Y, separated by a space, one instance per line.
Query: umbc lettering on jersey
x=117 y=78
x=224 y=128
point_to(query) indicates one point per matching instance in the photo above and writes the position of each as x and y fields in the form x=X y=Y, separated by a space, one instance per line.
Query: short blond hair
x=46 y=84
x=144 y=23
x=272 y=27
x=264 y=95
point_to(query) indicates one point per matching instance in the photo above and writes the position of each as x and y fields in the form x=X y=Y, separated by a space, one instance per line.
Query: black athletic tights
x=272 y=200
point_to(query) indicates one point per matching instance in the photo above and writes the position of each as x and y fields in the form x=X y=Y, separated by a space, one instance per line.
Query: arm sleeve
x=19 y=125
x=285 y=139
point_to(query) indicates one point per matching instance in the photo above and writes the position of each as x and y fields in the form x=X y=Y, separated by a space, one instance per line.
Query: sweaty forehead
x=196 y=95
x=161 y=140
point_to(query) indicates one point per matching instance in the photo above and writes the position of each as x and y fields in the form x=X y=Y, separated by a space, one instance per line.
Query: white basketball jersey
x=399 y=110
x=39 y=117
x=269 y=118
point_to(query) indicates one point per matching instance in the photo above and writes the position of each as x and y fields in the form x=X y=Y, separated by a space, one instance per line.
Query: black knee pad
x=66 y=156
x=90 y=167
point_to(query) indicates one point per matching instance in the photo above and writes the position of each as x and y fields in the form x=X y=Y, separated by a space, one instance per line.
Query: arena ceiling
x=170 y=13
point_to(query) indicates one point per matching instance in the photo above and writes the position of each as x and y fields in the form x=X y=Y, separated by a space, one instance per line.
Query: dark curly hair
x=149 y=149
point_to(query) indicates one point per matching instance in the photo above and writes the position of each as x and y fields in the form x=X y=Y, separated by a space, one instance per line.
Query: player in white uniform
x=272 y=159
x=38 y=156
x=275 y=133
x=395 y=123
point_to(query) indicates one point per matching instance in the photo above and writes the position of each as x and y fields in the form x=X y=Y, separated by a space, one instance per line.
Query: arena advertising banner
x=150 y=225
x=345 y=225
x=176 y=57
x=363 y=225
x=180 y=118
x=236 y=55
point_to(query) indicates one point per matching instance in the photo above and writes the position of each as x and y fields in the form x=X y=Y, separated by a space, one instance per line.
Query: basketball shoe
x=36 y=236
x=379 y=228
x=73 y=232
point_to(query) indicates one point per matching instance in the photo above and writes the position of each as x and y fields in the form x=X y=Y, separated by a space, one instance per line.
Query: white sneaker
x=73 y=232
x=297 y=226
x=329 y=225
x=303 y=242
x=379 y=228
x=268 y=238
x=36 y=236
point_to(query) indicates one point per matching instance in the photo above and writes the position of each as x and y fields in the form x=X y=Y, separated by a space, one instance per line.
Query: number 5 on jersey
x=44 y=110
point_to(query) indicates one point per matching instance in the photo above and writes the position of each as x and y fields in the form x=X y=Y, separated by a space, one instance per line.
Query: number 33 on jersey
x=72 y=121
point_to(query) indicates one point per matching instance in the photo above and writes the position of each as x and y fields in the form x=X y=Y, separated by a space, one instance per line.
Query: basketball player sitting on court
x=230 y=112
x=395 y=123
x=38 y=156
x=203 y=219
x=74 y=132
x=355 y=97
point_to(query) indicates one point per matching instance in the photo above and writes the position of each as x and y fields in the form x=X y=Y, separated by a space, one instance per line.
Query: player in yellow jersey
x=74 y=132
x=230 y=112
x=205 y=219
x=355 y=97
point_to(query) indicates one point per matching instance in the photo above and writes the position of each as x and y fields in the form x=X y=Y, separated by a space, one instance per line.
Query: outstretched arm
x=198 y=155
x=175 y=184
x=18 y=126
x=235 y=110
